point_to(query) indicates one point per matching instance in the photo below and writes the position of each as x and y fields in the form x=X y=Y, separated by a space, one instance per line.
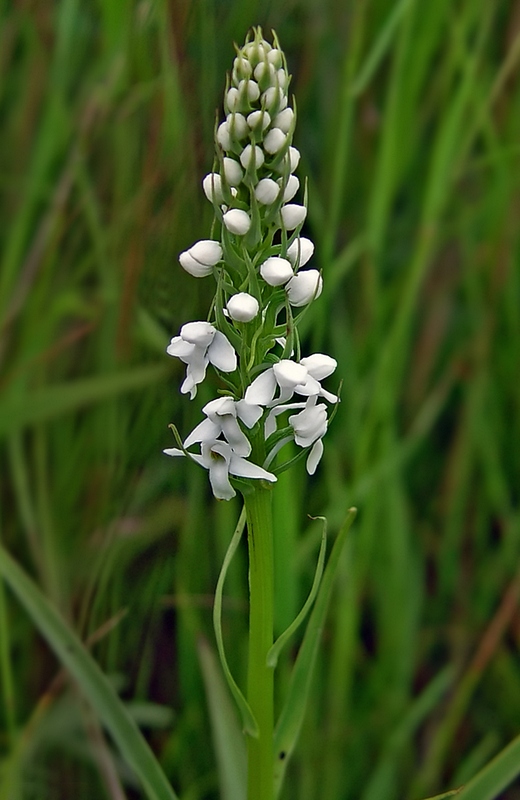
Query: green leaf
x=274 y=652
x=495 y=776
x=20 y=409
x=291 y=717
x=228 y=741
x=94 y=684
x=249 y=722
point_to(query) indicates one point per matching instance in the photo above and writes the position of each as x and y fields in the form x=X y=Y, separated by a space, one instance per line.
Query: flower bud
x=194 y=267
x=237 y=126
x=266 y=191
x=264 y=73
x=232 y=101
x=242 y=69
x=212 y=185
x=259 y=119
x=232 y=171
x=251 y=156
x=200 y=259
x=276 y=271
x=284 y=120
x=294 y=158
x=207 y=252
x=274 y=57
x=274 y=141
x=272 y=99
x=249 y=89
x=305 y=286
x=281 y=77
x=292 y=186
x=293 y=215
x=237 y=221
x=223 y=136
x=242 y=307
x=302 y=247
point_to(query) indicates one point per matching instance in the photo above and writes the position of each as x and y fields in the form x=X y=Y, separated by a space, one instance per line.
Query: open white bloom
x=305 y=286
x=221 y=420
x=292 y=377
x=237 y=221
x=276 y=271
x=222 y=461
x=310 y=426
x=198 y=345
x=242 y=307
x=200 y=259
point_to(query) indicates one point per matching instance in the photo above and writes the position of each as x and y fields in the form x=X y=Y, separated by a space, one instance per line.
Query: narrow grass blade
x=21 y=409
x=495 y=776
x=274 y=652
x=249 y=722
x=228 y=741
x=291 y=717
x=94 y=684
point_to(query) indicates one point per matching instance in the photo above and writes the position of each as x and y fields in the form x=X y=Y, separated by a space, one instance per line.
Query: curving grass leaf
x=94 y=684
x=291 y=717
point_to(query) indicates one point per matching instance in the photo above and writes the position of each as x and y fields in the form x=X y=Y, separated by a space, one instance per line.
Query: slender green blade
x=228 y=741
x=495 y=776
x=94 y=684
x=291 y=717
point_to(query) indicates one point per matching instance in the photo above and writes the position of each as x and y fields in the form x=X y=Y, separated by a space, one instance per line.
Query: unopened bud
x=242 y=307
x=276 y=271
x=293 y=215
x=266 y=191
x=251 y=156
x=232 y=171
x=305 y=286
x=274 y=141
x=237 y=221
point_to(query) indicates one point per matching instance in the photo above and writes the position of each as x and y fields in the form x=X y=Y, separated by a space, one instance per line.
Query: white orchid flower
x=222 y=461
x=221 y=419
x=198 y=345
x=292 y=377
x=309 y=426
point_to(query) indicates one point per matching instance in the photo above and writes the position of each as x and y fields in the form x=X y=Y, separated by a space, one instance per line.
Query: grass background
x=408 y=125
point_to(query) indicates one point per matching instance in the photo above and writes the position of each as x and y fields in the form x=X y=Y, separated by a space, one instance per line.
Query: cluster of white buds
x=257 y=263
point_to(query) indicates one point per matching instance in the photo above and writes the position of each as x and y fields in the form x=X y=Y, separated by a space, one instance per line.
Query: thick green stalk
x=260 y=676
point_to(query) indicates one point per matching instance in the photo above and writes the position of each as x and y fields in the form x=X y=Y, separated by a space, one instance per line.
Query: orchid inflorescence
x=252 y=340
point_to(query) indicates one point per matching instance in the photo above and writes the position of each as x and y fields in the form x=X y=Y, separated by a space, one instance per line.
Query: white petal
x=320 y=365
x=289 y=373
x=221 y=353
x=332 y=398
x=221 y=405
x=219 y=479
x=205 y=431
x=248 y=413
x=237 y=125
x=235 y=436
x=309 y=387
x=245 y=469
x=259 y=119
x=223 y=136
x=180 y=349
x=198 y=333
x=207 y=252
x=314 y=456
x=261 y=390
x=173 y=451
x=194 y=267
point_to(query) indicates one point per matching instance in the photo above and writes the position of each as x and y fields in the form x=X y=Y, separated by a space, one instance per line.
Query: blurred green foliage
x=408 y=124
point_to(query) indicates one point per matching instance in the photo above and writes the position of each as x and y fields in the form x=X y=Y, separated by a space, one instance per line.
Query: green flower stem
x=260 y=676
